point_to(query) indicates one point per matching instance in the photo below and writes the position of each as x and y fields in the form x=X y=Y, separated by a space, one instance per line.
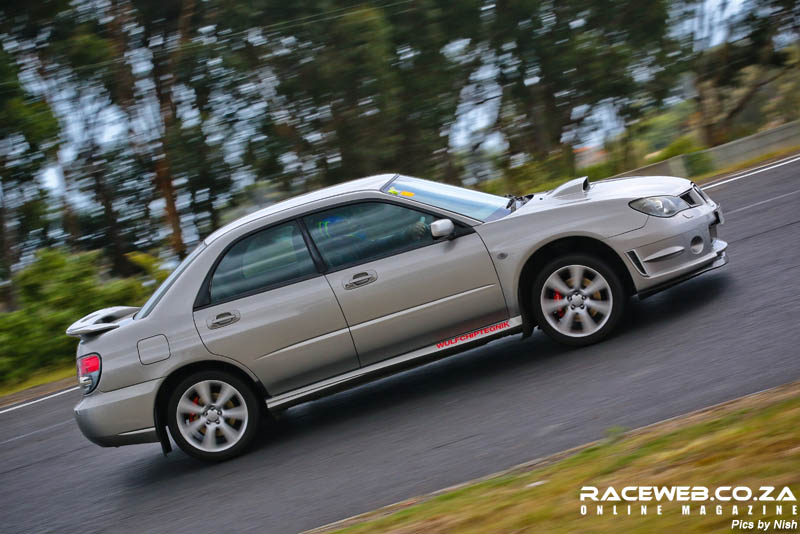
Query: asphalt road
x=722 y=335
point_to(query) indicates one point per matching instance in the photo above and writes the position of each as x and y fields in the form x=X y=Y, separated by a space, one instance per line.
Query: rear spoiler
x=100 y=321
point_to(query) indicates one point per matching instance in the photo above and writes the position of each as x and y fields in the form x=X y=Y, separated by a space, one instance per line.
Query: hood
x=100 y=321
x=634 y=187
x=627 y=188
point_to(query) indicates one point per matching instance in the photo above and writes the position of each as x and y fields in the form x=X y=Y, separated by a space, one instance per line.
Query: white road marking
x=727 y=213
x=62 y=423
x=749 y=169
x=751 y=173
x=18 y=406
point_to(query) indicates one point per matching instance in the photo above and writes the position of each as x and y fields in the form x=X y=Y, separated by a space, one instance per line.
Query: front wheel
x=578 y=299
x=213 y=415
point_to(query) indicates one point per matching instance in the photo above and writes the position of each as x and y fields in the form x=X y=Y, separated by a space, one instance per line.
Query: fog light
x=697 y=245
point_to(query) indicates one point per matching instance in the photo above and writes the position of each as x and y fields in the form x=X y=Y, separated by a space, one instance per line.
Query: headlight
x=89 y=372
x=664 y=206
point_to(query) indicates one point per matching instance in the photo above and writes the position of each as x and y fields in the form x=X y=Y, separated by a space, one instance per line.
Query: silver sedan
x=330 y=289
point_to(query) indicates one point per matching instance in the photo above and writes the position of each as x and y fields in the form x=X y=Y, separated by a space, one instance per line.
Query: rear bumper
x=124 y=416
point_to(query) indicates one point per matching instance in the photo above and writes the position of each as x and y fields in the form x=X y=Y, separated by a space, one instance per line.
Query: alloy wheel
x=212 y=416
x=576 y=300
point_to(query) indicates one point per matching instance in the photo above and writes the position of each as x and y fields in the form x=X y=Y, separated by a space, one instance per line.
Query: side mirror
x=443 y=228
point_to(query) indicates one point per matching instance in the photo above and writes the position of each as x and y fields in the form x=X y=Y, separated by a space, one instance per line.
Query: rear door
x=266 y=305
x=401 y=289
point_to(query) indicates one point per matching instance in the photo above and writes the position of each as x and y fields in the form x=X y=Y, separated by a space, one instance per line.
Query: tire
x=585 y=317
x=234 y=424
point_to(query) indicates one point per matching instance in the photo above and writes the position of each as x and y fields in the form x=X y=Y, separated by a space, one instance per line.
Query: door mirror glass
x=442 y=228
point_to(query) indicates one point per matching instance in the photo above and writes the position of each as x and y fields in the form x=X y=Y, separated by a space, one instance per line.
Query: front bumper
x=665 y=252
x=722 y=259
x=124 y=416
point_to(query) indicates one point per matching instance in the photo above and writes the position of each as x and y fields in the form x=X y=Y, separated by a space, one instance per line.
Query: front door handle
x=360 y=279
x=223 y=319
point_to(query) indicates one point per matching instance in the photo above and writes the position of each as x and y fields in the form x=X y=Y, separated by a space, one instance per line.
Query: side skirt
x=409 y=360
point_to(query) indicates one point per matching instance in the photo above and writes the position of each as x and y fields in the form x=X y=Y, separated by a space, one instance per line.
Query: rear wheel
x=578 y=299
x=213 y=415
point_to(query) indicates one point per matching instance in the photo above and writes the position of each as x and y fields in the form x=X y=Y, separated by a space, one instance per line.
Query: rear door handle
x=223 y=319
x=360 y=279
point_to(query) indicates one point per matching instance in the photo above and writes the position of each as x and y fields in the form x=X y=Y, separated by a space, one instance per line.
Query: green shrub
x=698 y=163
x=598 y=171
x=54 y=291
x=530 y=177
x=681 y=145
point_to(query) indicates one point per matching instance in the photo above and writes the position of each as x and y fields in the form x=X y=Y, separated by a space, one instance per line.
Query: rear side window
x=266 y=259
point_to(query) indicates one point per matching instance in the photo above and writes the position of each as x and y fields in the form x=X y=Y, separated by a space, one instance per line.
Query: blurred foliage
x=599 y=171
x=660 y=129
x=682 y=145
x=727 y=76
x=144 y=125
x=55 y=290
x=698 y=163
x=155 y=118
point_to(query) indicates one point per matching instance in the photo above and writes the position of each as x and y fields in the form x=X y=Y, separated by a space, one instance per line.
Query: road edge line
x=40 y=399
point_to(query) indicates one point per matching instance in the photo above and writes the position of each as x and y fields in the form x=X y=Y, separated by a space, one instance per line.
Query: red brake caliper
x=558 y=296
x=193 y=416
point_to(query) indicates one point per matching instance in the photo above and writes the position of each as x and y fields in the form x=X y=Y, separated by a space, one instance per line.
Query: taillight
x=89 y=372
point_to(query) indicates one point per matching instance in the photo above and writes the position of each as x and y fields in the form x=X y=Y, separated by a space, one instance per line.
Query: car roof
x=370 y=183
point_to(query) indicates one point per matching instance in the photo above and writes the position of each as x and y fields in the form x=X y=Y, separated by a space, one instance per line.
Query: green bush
x=54 y=291
x=598 y=171
x=698 y=163
x=681 y=145
x=530 y=177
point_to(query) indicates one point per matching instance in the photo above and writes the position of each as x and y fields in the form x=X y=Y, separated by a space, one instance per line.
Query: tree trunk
x=163 y=78
x=568 y=154
x=123 y=86
x=120 y=264
x=707 y=119
x=167 y=189
x=8 y=251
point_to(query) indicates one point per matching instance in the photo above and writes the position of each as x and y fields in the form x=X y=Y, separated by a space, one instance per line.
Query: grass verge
x=753 y=441
x=765 y=158
x=45 y=376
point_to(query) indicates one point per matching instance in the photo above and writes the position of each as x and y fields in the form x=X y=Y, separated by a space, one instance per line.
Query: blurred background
x=131 y=129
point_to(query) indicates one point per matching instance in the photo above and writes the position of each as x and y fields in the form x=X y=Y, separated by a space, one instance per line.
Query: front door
x=268 y=307
x=401 y=289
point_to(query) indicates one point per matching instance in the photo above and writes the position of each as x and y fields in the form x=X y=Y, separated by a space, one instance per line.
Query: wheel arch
x=554 y=249
x=176 y=375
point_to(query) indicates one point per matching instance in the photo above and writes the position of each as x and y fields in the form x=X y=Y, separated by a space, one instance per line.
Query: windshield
x=155 y=297
x=474 y=204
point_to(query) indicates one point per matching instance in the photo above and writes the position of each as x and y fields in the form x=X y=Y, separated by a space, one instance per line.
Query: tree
x=730 y=74
x=365 y=89
x=27 y=138
x=558 y=61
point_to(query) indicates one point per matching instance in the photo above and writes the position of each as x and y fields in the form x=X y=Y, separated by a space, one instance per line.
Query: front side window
x=358 y=233
x=262 y=260
x=474 y=204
